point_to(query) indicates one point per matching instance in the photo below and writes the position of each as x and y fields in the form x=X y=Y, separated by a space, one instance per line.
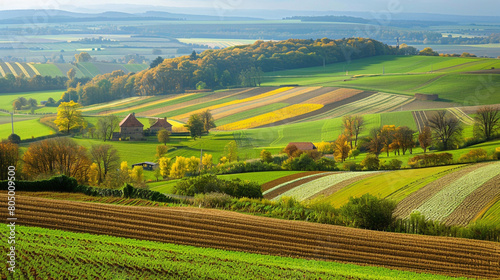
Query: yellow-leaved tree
x=68 y=116
x=179 y=168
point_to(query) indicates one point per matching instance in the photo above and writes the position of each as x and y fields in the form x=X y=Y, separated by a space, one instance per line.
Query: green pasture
x=6 y=99
x=25 y=129
x=49 y=70
x=492 y=215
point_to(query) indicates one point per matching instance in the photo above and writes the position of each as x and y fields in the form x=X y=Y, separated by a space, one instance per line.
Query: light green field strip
x=444 y=202
x=309 y=189
x=24 y=70
x=289 y=182
x=461 y=116
x=112 y=104
x=34 y=69
x=11 y=69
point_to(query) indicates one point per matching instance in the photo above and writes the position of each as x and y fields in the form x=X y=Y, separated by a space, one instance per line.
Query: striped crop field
x=47 y=69
x=147 y=104
x=334 y=96
x=113 y=104
x=33 y=68
x=309 y=189
x=443 y=203
x=57 y=254
x=252 y=104
x=272 y=117
x=184 y=117
x=233 y=231
x=14 y=69
x=461 y=116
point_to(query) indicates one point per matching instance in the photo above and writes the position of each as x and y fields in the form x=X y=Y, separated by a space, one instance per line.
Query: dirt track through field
x=239 y=232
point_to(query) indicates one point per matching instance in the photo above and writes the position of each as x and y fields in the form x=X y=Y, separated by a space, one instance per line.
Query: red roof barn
x=131 y=127
x=159 y=124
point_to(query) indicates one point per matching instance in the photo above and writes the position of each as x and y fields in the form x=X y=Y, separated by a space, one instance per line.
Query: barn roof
x=304 y=146
x=130 y=121
x=162 y=123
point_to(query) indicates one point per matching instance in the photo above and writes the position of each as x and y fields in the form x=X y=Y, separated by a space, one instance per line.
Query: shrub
x=326 y=164
x=14 y=138
x=474 y=155
x=496 y=154
x=370 y=162
x=428 y=160
x=302 y=163
x=265 y=156
x=210 y=183
x=213 y=200
x=369 y=212
x=351 y=166
x=394 y=164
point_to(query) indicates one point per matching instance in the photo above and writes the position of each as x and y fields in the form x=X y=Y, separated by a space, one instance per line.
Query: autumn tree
x=57 y=156
x=348 y=126
x=376 y=143
x=106 y=158
x=83 y=57
x=425 y=138
x=161 y=150
x=106 y=126
x=325 y=147
x=265 y=156
x=447 y=130
x=137 y=175
x=231 y=151
x=9 y=156
x=195 y=126
x=358 y=124
x=208 y=120
x=163 y=136
x=207 y=161
x=342 y=148
x=71 y=74
x=164 y=165
x=487 y=122
x=292 y=151
x=404 y=137
x=179 y=168
x=387 y=134
x=68 y=116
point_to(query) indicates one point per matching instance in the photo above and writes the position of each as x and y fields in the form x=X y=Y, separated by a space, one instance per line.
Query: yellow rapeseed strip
x=149 y=104
x=34 y=68
x=1 y=71
x=272 y=117
x=11 y=69
x=270 y=93
x=22 y=69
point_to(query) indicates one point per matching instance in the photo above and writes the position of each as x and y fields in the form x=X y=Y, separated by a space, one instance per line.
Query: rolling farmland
x=239 y=232
x=72 y=255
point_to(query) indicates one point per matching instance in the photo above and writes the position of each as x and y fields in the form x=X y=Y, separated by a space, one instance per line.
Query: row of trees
x=240 y=65
x=11 y=83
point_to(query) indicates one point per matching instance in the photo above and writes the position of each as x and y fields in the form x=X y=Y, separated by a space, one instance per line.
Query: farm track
x=475 y=203
x=321 y=113
x=427 y=83
x=421 y=119
x=419 y=197
x=277 y=182
x=239 y=232
x=212 y=97
x=337 y=187
x=286 y=187
x=461 y=116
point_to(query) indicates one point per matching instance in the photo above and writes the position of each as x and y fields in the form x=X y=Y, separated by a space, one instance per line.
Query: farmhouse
x=146 y=165
x=131 y=127
x=159 y=124
x=303 y=146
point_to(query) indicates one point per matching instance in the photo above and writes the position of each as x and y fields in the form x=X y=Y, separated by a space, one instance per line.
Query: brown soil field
x=276 y=182
x=337 y=187
x=239 y=232
x=237 y=93
x=416 y=105
x=475 y=203
x=469 y=110
x=292 y=185
x=414 y=200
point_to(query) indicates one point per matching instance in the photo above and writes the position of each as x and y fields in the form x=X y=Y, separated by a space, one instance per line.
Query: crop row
x=240 y=107
x=234 y=231
x=461 y=116
x=334 y=96
x=272 y=117
x=290 y=181
x=442 y=204
x=56 y=254
x=163 y=100
x=309 y=189
x=213 y=107
x=113 y=104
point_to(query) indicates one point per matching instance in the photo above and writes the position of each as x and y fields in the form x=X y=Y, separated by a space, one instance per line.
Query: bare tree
x=106 y=126
x=358 y=125
x=107 y=159
x=425 y=138
x=487 y=121
x=404 y=137
x=447 y=130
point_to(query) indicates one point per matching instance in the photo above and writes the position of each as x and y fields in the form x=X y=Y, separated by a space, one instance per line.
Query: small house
x=131 y=127
x=303 y=146
x=147 y=165
x=160 y=124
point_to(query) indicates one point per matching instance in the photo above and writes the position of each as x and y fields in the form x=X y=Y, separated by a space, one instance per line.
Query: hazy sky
x=463 y=7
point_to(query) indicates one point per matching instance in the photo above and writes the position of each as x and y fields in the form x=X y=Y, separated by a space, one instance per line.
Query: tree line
x=11 y=83
x=234 y=66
